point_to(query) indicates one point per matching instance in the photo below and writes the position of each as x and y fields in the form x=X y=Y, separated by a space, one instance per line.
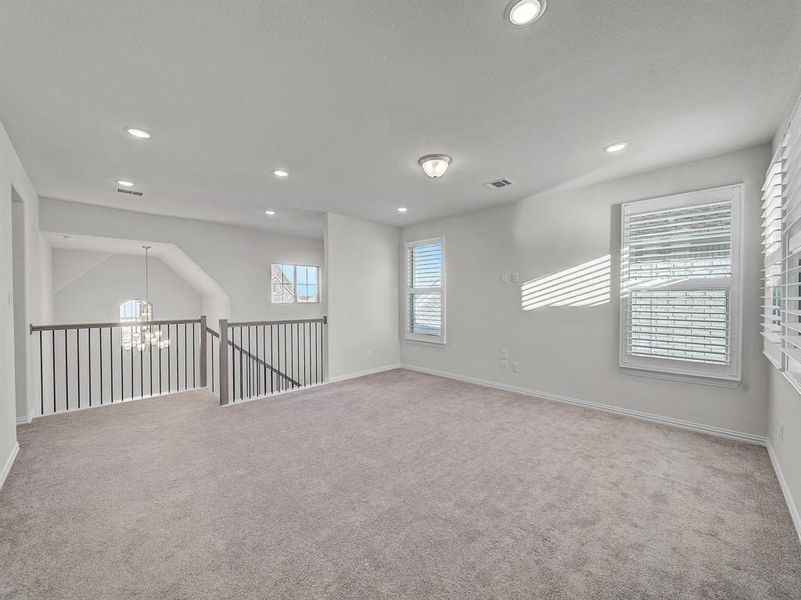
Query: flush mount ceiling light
x=524 y=12
x=269 y=213
x=616 y=147
x=435 y=165
x=281 y=173
x=402 y=209
x=124 y=183
x=140 y=134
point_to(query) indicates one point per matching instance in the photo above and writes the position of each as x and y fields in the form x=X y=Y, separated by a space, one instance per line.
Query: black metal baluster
x=122 y=368
x=111 y=363
x=286 y=368
x=258 y=366
x=89 y=334
x=304 y=355
x=169 y=362
x=53 y=339
x=168 y=335
x=185 y=353
x=66 y=372
x=232 y=362
x=141 y=371
x=41 y=371
x=194 y=361
x=272 y=364
x=132 y=366
x=211 y=345
x=78 y=360
x=249 y=363
x=314 y=327
x=241 y=359
x=150 y=363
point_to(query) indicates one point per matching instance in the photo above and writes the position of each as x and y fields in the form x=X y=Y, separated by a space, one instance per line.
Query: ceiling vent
x=131 y=192
x=498 y=184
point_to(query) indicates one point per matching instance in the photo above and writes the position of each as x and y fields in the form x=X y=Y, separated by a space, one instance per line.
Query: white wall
x=573 y=351
x=94 y=293
x=361 y=261
x=237 y=258
x=13 y=176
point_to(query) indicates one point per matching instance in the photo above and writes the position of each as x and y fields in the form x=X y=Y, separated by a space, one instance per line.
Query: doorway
x=19 y=303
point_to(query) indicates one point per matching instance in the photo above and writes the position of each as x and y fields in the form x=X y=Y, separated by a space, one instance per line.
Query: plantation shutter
x=791 y=232
x=424 y=291
x=773 y=292
x=677 y=293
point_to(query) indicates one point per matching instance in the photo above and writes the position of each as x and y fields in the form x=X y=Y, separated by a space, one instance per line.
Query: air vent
x=131 y=192
x=498 y=184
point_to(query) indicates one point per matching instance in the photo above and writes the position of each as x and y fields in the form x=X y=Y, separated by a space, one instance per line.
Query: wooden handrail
x=62 y=327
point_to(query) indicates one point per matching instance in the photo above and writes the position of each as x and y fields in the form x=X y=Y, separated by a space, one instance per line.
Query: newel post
x=203 y=363
x=223 y=361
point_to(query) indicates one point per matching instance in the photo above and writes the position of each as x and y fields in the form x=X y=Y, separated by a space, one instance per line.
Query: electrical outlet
x=515 y=366
x=504 y=365
x=504 y=355
x=781 y=432
x=504 y=277
x=515 y=278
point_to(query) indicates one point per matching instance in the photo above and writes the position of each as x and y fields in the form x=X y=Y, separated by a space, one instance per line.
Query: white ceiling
x=347 y=95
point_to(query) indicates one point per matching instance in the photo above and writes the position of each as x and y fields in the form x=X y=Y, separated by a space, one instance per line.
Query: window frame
x=730 y=373
x=295 y=283
x=441 y=290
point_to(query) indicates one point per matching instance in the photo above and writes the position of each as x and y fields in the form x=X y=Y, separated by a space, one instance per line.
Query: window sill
x=424 y=340
x=696 y=379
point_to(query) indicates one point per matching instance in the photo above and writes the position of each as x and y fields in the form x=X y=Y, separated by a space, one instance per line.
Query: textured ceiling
x=347 y=95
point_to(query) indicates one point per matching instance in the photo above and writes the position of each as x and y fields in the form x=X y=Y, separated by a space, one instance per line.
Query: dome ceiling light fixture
x=435 y=165
x=524 y=12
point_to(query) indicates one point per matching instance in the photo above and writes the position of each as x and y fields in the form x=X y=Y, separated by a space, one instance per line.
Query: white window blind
x=790 y=316
x=773 y=292
x=425 y=291
x=679 y=284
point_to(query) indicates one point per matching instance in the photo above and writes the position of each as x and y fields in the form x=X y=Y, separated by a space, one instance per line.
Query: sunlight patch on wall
x=587 y=284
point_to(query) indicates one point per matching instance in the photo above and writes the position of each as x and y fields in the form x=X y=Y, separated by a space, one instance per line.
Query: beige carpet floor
x=396 y=485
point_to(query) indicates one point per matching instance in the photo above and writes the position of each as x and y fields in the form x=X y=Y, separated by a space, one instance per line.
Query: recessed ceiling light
x=269 y=213
x=616 y=147
x=138 y=133
x=524 y=12
x=124 y=183
x=435 y=165
x=402 y=209
x=281 y=173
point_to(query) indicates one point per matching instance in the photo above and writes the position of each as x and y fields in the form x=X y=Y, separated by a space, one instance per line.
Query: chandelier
x=141 y=337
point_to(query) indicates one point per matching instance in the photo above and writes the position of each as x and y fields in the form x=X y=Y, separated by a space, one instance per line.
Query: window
x=290 y=284
x=134 y=311
x=781 y=250
x=772 y=259
x=680 y=296
x=425 y=291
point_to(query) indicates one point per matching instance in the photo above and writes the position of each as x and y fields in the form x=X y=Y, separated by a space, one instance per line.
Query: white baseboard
x=24 y=420
x=670 y=421
x=7 y=467
x=788 y=496
x=365 y=372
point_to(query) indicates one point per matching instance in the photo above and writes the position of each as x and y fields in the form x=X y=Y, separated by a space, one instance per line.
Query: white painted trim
x=363 y=373
x=24 y=419
x=748 y=438
x=788 y=496
x=7 y=467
